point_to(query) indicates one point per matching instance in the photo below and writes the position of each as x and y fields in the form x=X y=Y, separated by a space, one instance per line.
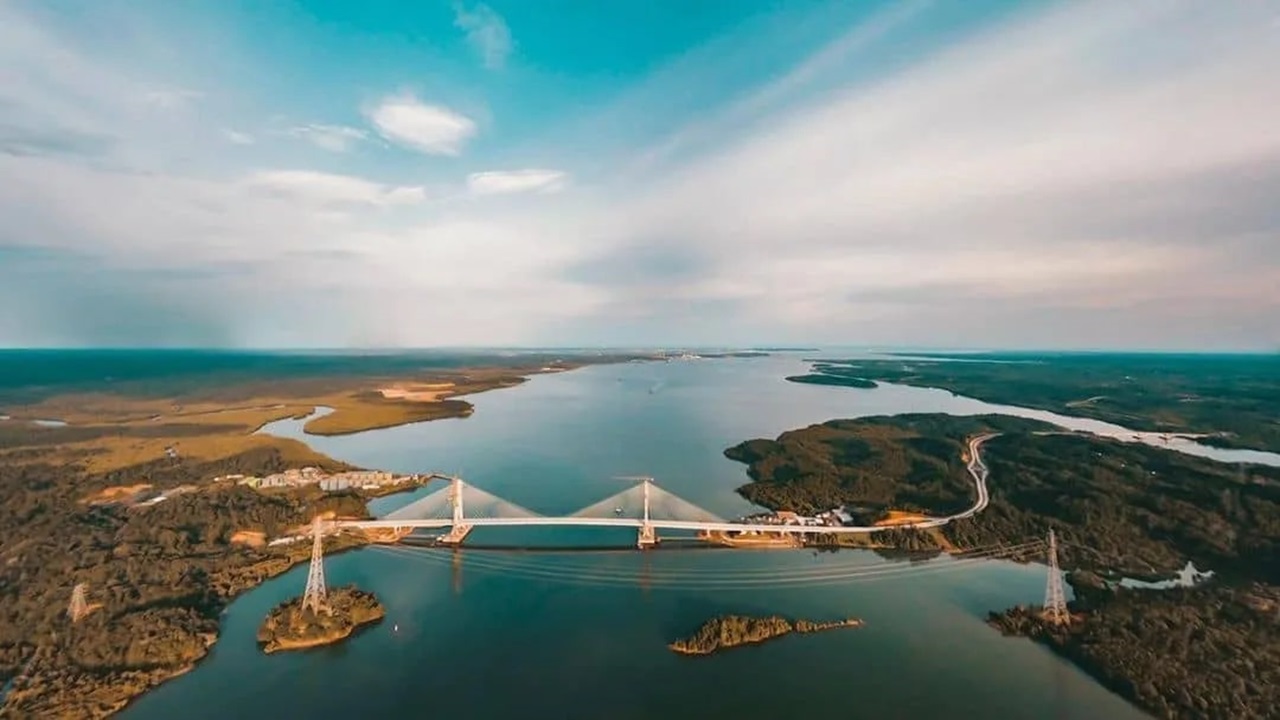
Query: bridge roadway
x=976 y=467
x=635 y=523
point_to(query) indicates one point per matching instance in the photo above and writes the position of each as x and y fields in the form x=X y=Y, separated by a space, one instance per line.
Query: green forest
x=1233 y=398
x=157 y=576
x=905 y=462
x=1119 y=509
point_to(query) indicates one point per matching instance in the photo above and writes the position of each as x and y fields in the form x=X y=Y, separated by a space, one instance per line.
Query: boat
x=617 y=511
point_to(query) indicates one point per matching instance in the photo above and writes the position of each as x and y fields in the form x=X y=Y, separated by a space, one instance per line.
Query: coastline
x=82 y=688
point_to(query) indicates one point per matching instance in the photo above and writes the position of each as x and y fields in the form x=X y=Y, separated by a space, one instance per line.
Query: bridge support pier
x=461 y=527
x=648 y=537
x=456 y=534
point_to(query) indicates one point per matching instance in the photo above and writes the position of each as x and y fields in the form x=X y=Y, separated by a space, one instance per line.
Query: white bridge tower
x=460 y=528
x=648 y=535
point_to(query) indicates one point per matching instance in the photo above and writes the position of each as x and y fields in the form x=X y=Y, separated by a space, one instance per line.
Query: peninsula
x=1120 y=510
x=291 y=627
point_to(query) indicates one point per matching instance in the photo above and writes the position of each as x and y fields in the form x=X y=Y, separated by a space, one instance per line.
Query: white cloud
x=172 y=98
x=1032 y=185
x=515 y=181
x=486 y=31
x=236 y=137
x=328 y=188
x=431 y=129
x=1004 y=167
x=335 y=138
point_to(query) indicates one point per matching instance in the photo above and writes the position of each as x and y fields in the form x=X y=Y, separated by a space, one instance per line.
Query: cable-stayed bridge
x=461 y=507
x=645 y=506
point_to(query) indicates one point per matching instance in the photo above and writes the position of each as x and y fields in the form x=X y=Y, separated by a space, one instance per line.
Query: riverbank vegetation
x=912 y=463
x=832 y=379
x=160 y=570
x=289 y=627
x=1207 y=652
x=730 y=631
x=1119 y=510
x=1232 y=398
x=157 y=576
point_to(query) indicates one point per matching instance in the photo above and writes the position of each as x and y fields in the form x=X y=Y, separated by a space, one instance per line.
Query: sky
x=323 y=173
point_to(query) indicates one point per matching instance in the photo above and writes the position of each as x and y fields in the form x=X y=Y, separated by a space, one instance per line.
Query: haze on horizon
x=305 y=173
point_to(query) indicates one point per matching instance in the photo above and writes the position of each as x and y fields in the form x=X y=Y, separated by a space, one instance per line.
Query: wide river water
x=481 y=640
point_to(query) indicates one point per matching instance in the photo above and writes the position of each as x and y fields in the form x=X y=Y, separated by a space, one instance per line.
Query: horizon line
x=755 y=347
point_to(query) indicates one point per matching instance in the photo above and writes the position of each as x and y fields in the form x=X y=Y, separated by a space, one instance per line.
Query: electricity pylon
x=314 y=598
x=1055 y=602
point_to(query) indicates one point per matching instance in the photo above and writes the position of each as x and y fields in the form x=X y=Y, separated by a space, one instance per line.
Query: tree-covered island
x=729 y=631
x=289 y=626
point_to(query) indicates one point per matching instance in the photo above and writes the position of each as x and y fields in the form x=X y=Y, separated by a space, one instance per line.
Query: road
x=976 y=467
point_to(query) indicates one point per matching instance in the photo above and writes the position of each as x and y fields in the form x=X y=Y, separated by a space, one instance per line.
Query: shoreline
x=195 y=664
x=287 y=627
x=77 y=685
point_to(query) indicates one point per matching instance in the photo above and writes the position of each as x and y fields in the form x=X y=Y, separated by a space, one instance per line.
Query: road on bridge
x=976 y=467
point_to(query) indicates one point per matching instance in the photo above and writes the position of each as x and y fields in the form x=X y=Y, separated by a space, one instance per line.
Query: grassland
x=107 y=431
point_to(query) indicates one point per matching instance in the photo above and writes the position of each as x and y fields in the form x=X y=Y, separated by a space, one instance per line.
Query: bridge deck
x=631 y=523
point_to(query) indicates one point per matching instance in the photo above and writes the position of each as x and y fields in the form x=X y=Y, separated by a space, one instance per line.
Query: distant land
x=1230 y=398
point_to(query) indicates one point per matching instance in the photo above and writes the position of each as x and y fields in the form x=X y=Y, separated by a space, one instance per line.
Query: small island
x=289 y=627
x=841 y=380
x=729 y=631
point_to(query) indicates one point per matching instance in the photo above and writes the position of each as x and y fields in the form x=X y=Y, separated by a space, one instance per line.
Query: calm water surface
x=475 y=640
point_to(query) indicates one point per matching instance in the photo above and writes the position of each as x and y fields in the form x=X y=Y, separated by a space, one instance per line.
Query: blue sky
x=381 y=173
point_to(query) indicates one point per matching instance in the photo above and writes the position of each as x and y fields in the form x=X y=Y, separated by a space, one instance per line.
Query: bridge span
x=647 y=508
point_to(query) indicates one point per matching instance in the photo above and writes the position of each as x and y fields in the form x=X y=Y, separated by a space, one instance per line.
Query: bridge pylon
x=648 y=534
x=458 y=532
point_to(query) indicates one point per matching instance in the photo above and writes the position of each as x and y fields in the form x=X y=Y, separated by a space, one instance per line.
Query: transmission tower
x=1055 y=602
x=79 y=606
x=314 y=597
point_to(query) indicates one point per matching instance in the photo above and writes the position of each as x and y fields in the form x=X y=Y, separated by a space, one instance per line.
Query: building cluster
x=352 y=480
x=836 y=517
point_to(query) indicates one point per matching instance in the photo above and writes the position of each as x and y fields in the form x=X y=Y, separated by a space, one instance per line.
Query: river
x=480 y=642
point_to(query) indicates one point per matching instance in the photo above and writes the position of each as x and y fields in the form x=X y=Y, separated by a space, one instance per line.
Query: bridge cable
x=779 y=578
